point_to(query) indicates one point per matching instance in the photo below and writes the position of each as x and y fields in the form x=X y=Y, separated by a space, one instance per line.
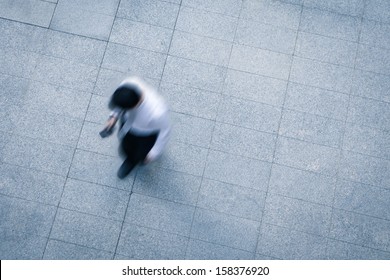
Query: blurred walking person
x=144 y=125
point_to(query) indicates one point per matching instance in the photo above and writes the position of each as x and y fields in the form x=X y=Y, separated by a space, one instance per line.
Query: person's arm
x=110 y=124
x=163 y=125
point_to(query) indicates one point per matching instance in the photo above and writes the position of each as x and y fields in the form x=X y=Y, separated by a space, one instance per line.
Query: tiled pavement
x=281 y=140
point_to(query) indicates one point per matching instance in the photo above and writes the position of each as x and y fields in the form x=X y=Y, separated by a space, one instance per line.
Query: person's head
x=126 y=97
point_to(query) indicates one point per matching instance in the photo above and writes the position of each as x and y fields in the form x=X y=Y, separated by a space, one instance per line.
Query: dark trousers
x=136 y=148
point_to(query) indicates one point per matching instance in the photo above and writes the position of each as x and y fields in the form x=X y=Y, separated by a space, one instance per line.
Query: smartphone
x=106 y=132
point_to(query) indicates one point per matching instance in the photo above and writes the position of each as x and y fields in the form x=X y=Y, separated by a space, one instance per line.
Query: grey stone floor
x=280 y=147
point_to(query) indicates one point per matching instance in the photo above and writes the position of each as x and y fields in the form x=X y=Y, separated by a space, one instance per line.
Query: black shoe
x=125 y=169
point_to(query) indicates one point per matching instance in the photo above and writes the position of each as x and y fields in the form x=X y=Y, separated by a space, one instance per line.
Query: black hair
x=126 y=97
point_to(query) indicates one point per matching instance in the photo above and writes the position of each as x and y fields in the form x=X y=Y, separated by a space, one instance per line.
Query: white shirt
x=150 y=116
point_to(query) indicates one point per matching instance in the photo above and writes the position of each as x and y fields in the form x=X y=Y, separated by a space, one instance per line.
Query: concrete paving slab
x=74 y=48
x=316 y=101
x=369 y=112
x=231 y=199
x=264 y=36
x=238 y=170
x=141 y=35
x=194 y=74
x=362 y=199
x=200 y=250
x=160 y=214
x=192 y=130
x=326 y=49
x=352 y=8
x=311 y=128
x=85 y=18
x=276 y=13
x=287 y=244
x=86 y=230
x=206 y=24
x=55 y=99
x=323 y=75
x=30 y=11
x=373 y=59
x=192 y=101
x=200 y=48
x=38 y=154
x=185 y=158
x=348 y=251
x=367 y=140
x=371 y=85
x=255 y=87
x=9 y=116
x=65 y=73
x=259 y=61
x=4 y=138
x=31 y=185
x=18 y=62
x=257 y=116
x=17 y=35
x=59 y=250
x=301 y=184
x=13 y=89
x=94 y=199
x=24 y=216
x=140 y=243
x=243 y=142
x=375 y=33
x=307 y=156
x=297 y=214
x=361 y=229
x=168 y=185
x=48 y=126
x=225 y=230
x=377 y=10
x=99 y=169
x=226 y=7
x=330 y=24
x=160 y=13
x=17 y=245
x=365 y=169
x=133 y=61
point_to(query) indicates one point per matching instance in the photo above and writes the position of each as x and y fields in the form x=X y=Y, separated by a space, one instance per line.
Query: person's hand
x=147 y=160
x=108 y=129
x=110 y=123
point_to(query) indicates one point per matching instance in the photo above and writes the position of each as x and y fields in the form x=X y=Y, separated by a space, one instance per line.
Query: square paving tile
x=238 y=170
x=94 y=199
x=17 y=245
x=59 y=250
x=86 y=230
x=297 y=214
x=200 y=250
x=32 y=185
x=167 y=184
x=160 y=214
x=160 y=13
x=31 y=11
x=205 y=23
x=330 y=24
x=141 y=35
x=85 y=17
x=225 y=230
x=361 y=230
x=231 y=199
x=140 y=243
x=284 y=243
